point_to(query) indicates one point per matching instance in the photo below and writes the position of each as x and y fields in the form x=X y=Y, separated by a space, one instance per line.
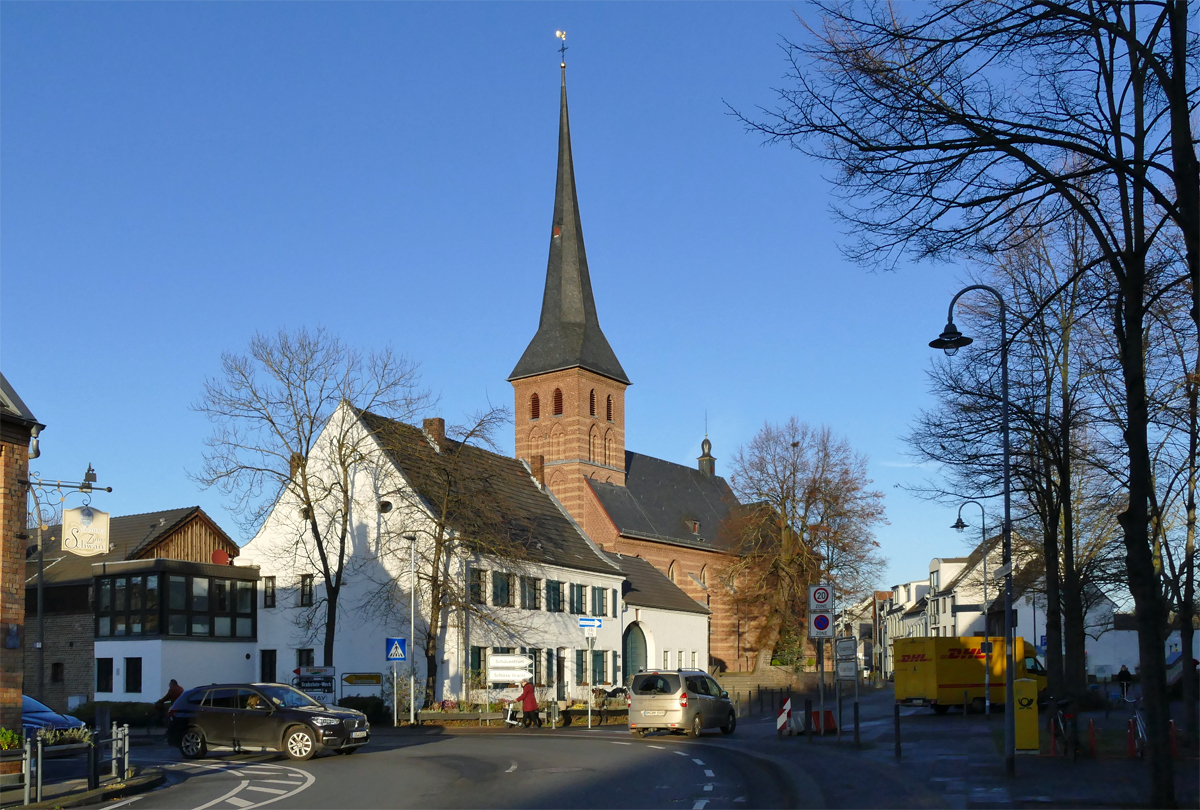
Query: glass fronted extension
x=176 y=603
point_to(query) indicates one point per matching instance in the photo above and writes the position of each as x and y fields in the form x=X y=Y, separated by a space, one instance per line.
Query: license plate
x=653 y=714
x=358 y=734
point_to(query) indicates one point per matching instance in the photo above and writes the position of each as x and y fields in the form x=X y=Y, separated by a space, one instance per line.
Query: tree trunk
x=1055 y=684
x=1135 y=520
x=431 y=671
x=1074 y=631
x=331 y=607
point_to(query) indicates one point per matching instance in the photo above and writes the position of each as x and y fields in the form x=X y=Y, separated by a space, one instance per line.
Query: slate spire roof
x=568 y=334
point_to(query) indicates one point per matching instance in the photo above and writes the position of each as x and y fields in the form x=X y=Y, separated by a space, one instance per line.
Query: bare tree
x=809 y=516
x=455 y=513
x=280 y=437
x=956 y=131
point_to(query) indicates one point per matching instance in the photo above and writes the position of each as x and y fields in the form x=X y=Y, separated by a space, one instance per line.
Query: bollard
x=112 y=750
x=1092 y=738
x=897 y=724
x=1132 y=742
x=27 y=767
x=94 y=764
x=808 y=723
x=39 y=768
x=857 y=744
x=1174 y=741
x=1053 y=741
x=965 y=704
x=125 y=752
x=760 y=700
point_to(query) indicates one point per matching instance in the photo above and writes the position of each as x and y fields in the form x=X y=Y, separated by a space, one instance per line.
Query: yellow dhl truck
x=944 y=671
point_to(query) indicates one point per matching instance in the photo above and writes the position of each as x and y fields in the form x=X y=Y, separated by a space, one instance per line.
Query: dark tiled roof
x=646 y=586
x=514 y=504
x=12 y=407
x=918 y=606
x=569 y=334
x=128 y=535
x=660 y=500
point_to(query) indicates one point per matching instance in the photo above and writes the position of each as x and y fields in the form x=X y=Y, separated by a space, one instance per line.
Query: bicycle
x=1066 y=739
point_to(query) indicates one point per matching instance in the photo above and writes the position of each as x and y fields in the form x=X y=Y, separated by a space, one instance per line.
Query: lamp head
x=950 y=340
x=89 y=478
x=958 y=524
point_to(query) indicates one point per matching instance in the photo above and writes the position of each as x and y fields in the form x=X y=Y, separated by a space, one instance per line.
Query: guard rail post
x=27 y=768
x=896 y=716
x=112 y=751
x=94 y=763
x=39 y=767
x=125 y=751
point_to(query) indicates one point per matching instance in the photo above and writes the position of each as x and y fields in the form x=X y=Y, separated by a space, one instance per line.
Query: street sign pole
x=395 y=699
x=412 y=628
x=586 y=666
x=821 y=671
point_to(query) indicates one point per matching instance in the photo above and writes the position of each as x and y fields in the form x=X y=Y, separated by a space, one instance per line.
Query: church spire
x=569 y=334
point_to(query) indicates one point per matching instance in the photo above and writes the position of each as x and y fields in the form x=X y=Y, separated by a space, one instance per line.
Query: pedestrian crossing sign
x=397 y=649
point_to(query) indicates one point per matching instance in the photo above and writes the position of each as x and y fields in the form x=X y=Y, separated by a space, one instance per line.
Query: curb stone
x=144 y=781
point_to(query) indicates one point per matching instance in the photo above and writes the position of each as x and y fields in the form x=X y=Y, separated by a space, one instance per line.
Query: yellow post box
x=1025 y=696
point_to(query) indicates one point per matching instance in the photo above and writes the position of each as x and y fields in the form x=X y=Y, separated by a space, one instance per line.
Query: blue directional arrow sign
x=397 y=649
x=588 y=621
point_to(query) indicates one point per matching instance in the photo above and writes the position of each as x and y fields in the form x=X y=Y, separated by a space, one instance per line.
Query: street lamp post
x=950 y=341
x=987 y=642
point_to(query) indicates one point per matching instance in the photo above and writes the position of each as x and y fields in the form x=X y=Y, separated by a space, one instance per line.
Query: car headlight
x=325 y=721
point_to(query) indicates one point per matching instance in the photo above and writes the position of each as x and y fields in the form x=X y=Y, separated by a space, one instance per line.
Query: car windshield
x=655 y=684
x=30 y=705
x=287 y=697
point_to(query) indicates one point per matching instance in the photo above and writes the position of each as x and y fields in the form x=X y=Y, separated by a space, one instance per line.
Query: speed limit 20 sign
x=820 y=598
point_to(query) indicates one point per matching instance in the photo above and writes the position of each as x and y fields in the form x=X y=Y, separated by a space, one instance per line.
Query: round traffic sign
x=821 y=622
x=821 y=595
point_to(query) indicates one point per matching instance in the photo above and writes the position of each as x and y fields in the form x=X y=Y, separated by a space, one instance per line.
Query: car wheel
x=697 y=726
x=940 y=709
x=192 y=745
x=299 y=743
x=731 y=725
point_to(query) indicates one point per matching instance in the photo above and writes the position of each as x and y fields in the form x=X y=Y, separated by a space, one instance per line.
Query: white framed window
x=666 y=659
x=679 y=660
x=694 y=659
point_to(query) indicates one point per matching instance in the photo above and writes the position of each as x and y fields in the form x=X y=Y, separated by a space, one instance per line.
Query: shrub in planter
x=66 y=736
x=373 y=707
x=10 y=739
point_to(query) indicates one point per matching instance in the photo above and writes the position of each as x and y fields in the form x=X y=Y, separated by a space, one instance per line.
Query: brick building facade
x=569 y=408
x=17 y=428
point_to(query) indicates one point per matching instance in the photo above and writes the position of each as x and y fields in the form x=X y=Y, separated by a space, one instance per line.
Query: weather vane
x=563 y=50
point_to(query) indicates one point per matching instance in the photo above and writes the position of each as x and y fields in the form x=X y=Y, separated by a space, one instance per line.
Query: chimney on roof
x=537 y=468
x=435 y=431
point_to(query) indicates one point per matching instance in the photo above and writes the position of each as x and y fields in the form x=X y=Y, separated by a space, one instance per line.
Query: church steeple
x=569 y=334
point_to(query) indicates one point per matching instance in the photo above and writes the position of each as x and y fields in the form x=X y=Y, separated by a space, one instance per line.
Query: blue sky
x=176 y=176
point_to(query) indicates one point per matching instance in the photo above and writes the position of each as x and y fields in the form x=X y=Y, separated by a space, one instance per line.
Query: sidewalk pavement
x=949 y=760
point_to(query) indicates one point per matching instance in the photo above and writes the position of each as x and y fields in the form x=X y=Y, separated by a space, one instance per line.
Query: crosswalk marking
x=699 y=805
x=709 y=774
x=698 y=761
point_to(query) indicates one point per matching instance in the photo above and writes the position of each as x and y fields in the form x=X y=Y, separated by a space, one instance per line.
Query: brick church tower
x=569 y=387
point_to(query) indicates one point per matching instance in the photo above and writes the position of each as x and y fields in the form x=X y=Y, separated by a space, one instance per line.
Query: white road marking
x=743 y=798
x=281 y=782
x=709 y=774
x=275 y=791
x=236 y=802
x=226 y=796
x=708 y=787
x=698 y=761
x=659 y=747
x=616 y=742
x=511 y=769
x=681 y=753
x=699 y=805
x=127 y=801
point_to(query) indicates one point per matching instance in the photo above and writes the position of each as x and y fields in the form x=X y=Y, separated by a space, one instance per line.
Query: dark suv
x=262 y=716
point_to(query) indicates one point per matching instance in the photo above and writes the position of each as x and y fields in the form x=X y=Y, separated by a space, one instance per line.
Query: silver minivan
x=684 y=700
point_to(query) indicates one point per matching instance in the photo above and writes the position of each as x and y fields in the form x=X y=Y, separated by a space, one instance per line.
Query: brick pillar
x=15 y=463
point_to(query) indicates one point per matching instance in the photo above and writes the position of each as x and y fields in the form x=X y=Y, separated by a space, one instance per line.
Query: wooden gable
x=194 y=540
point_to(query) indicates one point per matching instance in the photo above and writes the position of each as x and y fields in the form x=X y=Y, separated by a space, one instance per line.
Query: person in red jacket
x=529 y=705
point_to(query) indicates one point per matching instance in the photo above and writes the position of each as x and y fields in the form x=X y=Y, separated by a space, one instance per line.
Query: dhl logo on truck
x=908 y=659
x=957 y=653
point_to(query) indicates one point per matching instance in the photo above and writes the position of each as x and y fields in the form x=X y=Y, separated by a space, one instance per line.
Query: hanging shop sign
x=85 y=531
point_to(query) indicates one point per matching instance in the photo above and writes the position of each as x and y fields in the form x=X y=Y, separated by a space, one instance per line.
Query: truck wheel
x=978 y=706
x=940 y=709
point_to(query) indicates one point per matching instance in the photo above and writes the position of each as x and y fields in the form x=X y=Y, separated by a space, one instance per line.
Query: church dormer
x=569 y=386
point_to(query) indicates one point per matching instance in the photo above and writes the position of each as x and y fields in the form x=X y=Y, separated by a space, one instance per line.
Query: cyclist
x=1124 y=677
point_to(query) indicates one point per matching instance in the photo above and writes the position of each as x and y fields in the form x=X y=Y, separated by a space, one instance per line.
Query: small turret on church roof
x=569 y=334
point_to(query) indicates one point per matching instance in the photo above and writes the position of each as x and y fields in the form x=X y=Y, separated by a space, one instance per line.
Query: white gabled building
x=399 y=489
x=903 y=615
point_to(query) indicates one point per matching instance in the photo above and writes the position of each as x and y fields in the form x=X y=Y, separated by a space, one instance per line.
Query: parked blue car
x=37 y=716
